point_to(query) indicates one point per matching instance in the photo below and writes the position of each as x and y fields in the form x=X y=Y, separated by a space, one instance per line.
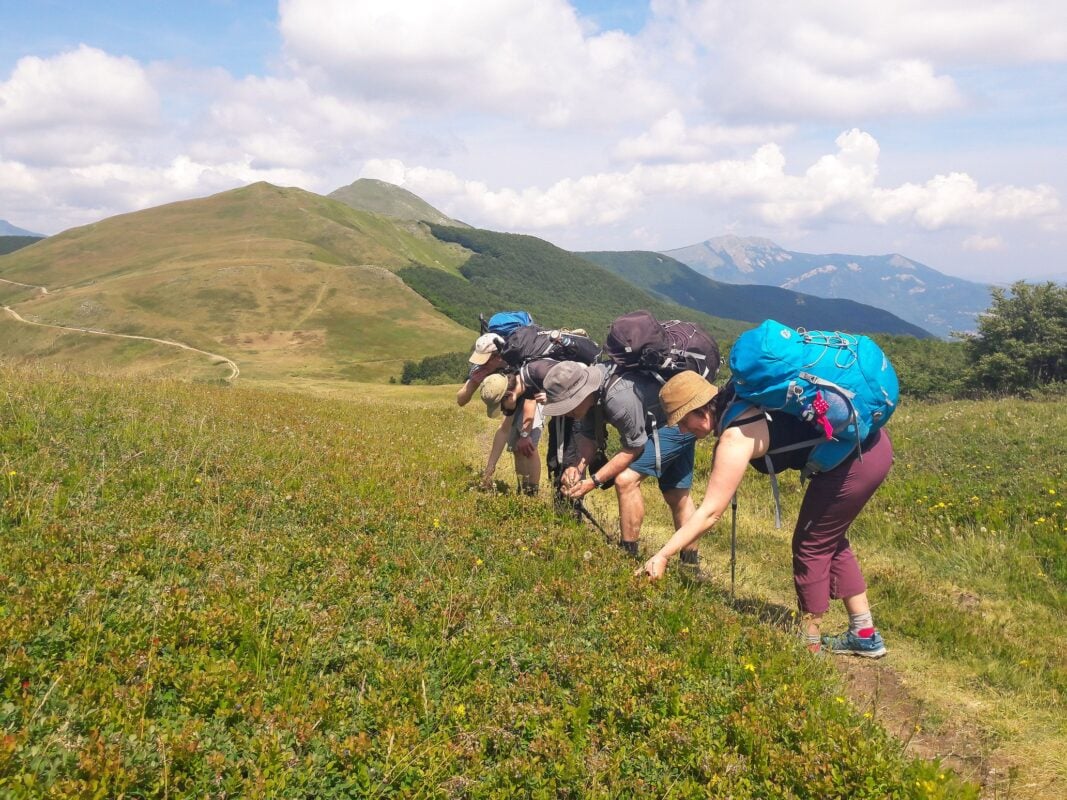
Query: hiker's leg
x=824 y=565
x=500 y=439
x=527 y=465
x=631 y=504
x=677 y=454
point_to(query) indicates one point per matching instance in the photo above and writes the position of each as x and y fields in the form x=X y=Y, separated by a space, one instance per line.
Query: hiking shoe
x=872 y=646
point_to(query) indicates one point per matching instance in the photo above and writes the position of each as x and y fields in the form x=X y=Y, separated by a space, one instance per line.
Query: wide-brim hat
x=683 y=393
x=493 y=390
x=567 y=384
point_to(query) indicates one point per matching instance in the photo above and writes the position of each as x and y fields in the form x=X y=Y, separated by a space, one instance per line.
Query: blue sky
x=934 y=130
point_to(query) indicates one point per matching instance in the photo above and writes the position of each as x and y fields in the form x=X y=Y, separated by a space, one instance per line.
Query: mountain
x=673 y=280
x=288 y=284
x=284 y=285
x=390 y=200
x=558 y=288
x=7 y=229
x=913 y=291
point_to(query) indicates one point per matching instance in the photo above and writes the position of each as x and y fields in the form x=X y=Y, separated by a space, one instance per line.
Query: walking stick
x=733 y=543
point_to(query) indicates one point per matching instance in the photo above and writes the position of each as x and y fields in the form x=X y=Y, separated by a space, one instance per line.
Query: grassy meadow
x=219 y=591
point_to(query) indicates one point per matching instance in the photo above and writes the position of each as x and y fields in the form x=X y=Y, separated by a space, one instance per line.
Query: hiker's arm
x=474 y=380
x=499 y=440
x=735 y=449
x=525 y=445
x=615 y=466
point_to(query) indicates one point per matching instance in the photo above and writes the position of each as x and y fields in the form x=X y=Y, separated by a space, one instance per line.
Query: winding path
x=234 y=369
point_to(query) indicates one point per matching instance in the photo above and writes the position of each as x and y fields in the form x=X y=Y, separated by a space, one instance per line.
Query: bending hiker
x=592 y=396
x=487 y=363
x=522 y=424
x=824 y=566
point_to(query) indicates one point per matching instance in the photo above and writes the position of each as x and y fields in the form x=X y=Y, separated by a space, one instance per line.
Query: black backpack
x=532 y=342
x=639 y=341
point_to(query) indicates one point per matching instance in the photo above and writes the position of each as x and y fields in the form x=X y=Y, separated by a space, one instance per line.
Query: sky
x=932 y=128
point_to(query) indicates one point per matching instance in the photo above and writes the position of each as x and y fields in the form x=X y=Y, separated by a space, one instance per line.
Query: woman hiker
x=824 y=566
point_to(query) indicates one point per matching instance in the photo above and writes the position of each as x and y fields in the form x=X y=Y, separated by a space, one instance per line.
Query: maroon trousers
x=824 y=567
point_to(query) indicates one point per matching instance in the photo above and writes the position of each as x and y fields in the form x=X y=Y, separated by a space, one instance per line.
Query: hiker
x=593 y=396
x=824 y=566
x=522 y=426
x=486 y=364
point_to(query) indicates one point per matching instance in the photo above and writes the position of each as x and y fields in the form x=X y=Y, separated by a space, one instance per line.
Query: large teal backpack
x=843 y=384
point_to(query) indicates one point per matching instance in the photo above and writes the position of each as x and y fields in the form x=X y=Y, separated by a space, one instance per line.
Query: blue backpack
x=505 y=322
x=843 y=384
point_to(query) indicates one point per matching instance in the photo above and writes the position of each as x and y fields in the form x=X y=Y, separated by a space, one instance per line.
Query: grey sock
x=859 y=622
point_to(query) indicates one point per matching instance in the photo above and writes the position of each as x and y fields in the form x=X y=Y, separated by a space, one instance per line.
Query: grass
x=965 y=552
x=220 y=591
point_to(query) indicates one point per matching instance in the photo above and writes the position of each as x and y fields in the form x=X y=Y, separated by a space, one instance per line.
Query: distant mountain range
x=913 y=291
x=7 y=229
x=673 y=280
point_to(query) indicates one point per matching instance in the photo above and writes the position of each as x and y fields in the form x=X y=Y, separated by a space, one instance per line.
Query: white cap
x=487 y=345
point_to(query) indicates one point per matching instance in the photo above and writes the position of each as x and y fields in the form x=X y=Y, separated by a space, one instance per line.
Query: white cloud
x=285 y=122
x=983 y=244
x=670 y=138
x=838 y=186
x=79 y=107
x=843 y=60
x=533 y=60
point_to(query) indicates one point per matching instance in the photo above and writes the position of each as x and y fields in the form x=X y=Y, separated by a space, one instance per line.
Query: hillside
x=557 y=287
x=390 y=200
x=224 y=591
x=915 y=292
x=289 y=284
x=674 y=281
x=9 y=243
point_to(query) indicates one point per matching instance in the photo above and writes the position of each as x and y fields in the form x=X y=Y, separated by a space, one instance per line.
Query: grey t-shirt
x=629 y=404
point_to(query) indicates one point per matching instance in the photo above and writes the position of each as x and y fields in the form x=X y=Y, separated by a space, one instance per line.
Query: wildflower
x=12 y=474
x=839 y=700
x=587 y=556
x=478 y=562
x=1040 y=521
x=196 y=480
x=868 y=715
x=437 y=523
x=460 y=710
x=750 y=668
x=1052 y=491
x=683 y=631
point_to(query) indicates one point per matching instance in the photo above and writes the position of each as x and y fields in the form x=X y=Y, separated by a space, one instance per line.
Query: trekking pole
x=733 y=543
x=579 y=506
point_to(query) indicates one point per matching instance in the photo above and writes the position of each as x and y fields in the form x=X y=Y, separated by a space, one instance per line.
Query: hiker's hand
x=579 y=490
x=525 y=447
x=571 y=476
x=654 y=568
x=540 y=397
x=479 y=374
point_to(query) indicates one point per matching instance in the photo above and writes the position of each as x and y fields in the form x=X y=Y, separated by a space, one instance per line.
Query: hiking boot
x=630 y=548
x=872 y=646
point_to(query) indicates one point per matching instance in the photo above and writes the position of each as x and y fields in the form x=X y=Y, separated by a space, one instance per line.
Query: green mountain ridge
x=392 y=201
x=292 y=286
x=287 y=283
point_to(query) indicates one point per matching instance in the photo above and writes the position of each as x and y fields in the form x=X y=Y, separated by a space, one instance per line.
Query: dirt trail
x=40 y=289
x=234 y=369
